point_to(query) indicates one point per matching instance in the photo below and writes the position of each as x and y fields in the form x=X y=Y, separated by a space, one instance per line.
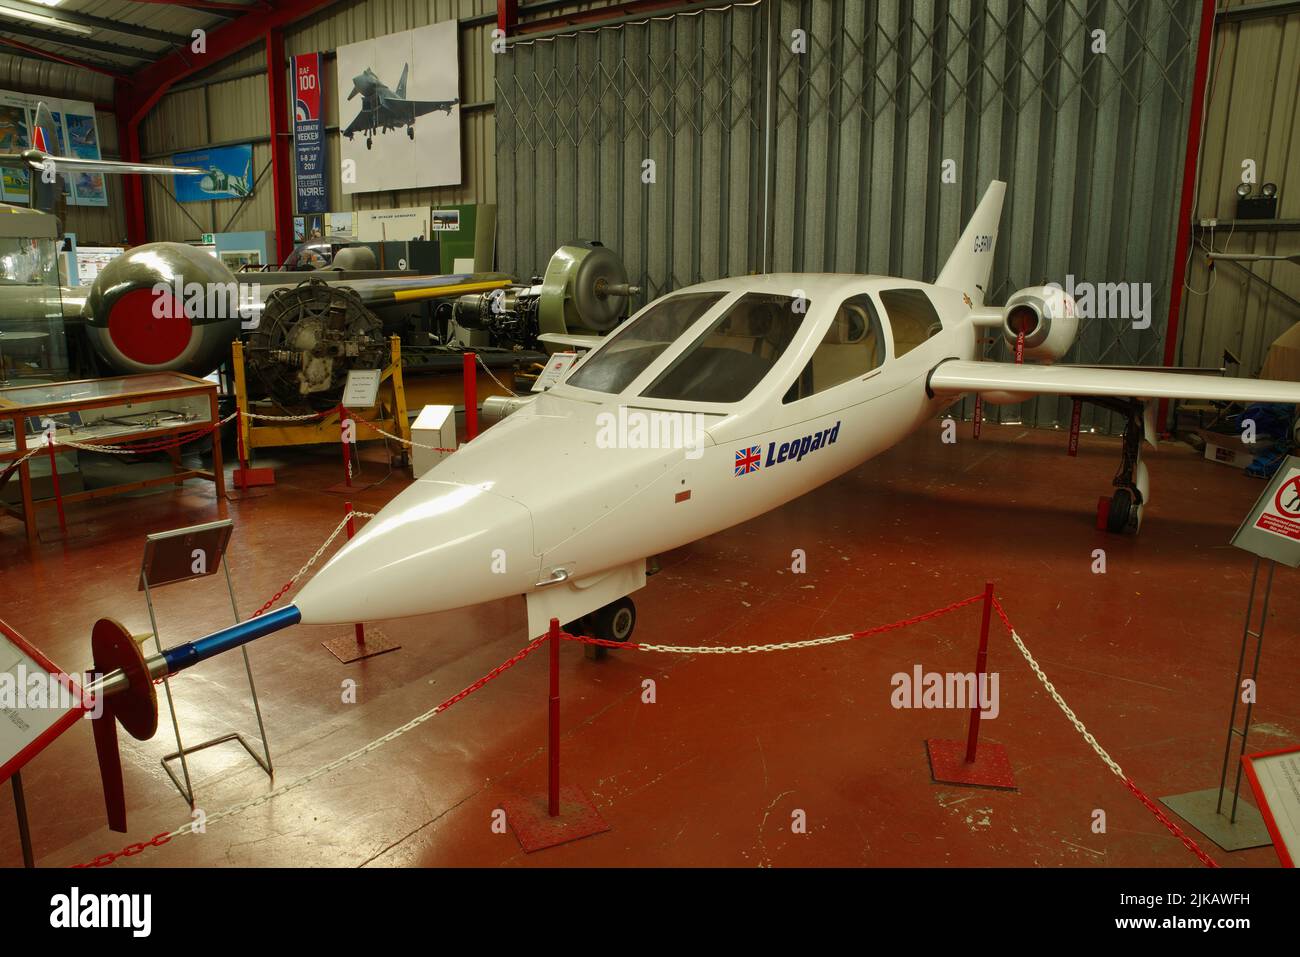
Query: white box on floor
x=435 y=426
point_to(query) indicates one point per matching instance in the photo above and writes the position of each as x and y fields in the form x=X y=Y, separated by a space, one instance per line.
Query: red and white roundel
x=141 y=335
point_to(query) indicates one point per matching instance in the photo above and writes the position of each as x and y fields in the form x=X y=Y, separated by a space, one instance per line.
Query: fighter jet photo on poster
x=384 y=110
x=423 y=103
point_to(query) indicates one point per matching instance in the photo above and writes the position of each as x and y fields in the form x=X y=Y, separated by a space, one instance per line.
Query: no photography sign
x=1281 y=514
x=1272 y=529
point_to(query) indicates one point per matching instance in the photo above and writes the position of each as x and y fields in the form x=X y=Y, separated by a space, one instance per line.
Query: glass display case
x=33 y=346
x=168 y=408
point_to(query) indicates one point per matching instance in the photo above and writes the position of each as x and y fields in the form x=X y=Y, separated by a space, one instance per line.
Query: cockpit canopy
x=732 y=346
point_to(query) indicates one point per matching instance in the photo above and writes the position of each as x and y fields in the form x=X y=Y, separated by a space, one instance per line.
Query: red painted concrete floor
x=714 y=771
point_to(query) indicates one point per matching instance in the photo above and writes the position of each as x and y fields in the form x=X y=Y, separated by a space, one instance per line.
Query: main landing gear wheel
x=1121 y=511
x=615 y=622
x=410 y=132
x=1122 y=514
x=369 y=142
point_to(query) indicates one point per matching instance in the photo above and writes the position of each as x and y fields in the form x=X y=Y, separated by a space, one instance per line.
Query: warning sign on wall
x=1281 y=515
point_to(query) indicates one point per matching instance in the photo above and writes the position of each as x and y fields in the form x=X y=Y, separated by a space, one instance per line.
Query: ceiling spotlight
x=1243 y=190
x=1268 y=190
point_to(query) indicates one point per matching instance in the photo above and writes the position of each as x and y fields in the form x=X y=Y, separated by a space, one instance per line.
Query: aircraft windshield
x=642 y=341
x=728 y=360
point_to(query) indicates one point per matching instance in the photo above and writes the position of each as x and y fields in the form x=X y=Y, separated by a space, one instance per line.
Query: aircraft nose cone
x=437 y=546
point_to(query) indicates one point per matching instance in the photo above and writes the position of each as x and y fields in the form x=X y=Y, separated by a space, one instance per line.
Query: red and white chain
x=776 y=646
x=130 y=850
x=177 y=440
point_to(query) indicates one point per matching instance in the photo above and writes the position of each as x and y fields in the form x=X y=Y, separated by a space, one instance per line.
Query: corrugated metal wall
x=839 y=168
x=235 y=109
x=1253 y=113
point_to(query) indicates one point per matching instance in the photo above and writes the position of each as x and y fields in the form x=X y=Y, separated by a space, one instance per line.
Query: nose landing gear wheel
x=615 y=622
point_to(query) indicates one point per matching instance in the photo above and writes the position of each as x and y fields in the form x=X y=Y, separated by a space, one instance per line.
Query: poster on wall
x=229 y=176
x=399 y=112
x=82 y=138
x=390 y=225
x=77 y=135
x=309 y=136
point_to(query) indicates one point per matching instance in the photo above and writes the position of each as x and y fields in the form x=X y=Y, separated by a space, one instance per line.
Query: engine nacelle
x=163 y=306
x=1047 y=317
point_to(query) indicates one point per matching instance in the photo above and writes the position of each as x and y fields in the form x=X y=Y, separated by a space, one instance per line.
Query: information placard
x=38 y=702
x=1275 y=779
x=362 y=388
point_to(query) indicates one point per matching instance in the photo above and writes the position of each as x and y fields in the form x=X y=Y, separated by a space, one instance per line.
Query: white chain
x=494 y=378
x=37 y=450
x=745 y=649
x=326 y=544
x=286 y=418
x=398 y=438
x=122 y=449
x=312 y=776
x=1051 y=689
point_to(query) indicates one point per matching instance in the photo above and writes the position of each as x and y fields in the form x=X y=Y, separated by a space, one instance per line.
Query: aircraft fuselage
x=544 y=496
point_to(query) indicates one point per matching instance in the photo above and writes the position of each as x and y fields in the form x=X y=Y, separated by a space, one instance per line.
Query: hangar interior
x=337 y=345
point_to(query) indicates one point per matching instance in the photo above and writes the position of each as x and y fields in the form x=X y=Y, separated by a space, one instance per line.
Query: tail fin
x=969 y=266
x=46 y=187
x=46 y=135
x=401 y=84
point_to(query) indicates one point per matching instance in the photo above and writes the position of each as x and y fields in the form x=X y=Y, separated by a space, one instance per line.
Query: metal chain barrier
x=291 y=418
x=777 y=646
x=478 y=358
x=396 y=438
x=160 y=839
x=171 y=442
x=103 y=860
x=1173 y=828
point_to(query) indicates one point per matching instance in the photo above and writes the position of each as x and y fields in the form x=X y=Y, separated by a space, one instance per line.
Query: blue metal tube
x=201 y=649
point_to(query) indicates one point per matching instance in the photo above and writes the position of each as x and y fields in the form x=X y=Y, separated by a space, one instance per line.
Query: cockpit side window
x=642 y=341
x=853 y=346
x=911 y=316
x=728 y=360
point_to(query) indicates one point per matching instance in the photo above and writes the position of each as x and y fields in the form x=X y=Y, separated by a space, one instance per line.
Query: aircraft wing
x=567 y=339
x=36 y=160
x=378 y=293
x=956 y=376
x=357 y=125
x=406 y=110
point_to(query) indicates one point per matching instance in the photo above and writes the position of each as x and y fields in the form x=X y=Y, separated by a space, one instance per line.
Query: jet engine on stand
x=585 y=291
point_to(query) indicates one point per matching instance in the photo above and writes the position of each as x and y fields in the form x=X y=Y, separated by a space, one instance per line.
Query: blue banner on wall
x=309 y=135
x=229 y=174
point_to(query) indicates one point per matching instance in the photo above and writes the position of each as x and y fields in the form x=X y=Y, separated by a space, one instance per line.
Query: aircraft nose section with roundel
x=162 y=306
x=436 y=546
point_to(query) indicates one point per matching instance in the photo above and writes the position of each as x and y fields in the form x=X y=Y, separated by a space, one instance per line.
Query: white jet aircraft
x=796 y=379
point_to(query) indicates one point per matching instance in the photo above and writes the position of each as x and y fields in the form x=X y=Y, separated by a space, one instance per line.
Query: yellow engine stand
x=389 y=412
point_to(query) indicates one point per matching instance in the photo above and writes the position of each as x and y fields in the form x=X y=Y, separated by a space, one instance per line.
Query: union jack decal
x=748 y=460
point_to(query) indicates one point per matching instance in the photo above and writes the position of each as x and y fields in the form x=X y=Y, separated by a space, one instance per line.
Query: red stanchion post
x=471 y=397
x=553 y=724
x=343 y=439
x=360 y=628
x=54 y=479
x=981 y=663
x=1075 y=416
